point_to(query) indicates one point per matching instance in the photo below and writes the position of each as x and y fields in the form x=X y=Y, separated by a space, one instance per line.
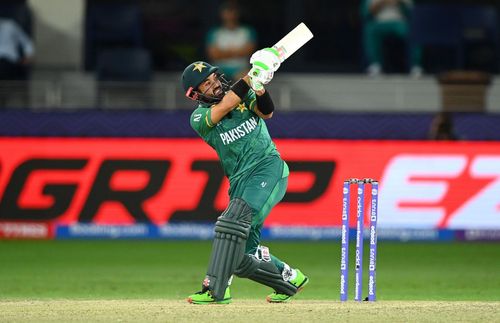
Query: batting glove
x=255 y=85
x=260 y=75
x=267 y=58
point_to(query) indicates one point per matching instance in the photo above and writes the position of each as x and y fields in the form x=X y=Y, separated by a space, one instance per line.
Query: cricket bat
x=294 y=40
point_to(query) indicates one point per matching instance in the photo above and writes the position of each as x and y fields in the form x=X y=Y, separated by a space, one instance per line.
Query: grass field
x=149 y=280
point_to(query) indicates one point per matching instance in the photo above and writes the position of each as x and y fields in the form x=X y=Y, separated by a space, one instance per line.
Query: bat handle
x=282 y=53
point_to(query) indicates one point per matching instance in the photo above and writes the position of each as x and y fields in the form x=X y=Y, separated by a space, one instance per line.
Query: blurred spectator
x=16 y=51
x=383 y=19
x=442 y=127
x=230 y=45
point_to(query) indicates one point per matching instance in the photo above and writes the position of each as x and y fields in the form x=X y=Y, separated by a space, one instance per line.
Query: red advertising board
x=124 y=181
x=26 y=230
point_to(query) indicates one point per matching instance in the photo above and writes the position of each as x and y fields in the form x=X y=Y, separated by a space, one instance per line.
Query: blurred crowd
x=130 y=40
x=364 y=36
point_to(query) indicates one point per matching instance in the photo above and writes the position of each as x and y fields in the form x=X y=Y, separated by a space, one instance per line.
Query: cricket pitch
x=246 y=310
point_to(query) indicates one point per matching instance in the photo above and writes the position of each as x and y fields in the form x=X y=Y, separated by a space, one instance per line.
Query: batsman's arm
x=230 y=100
x=264 y=108
x=264 y=104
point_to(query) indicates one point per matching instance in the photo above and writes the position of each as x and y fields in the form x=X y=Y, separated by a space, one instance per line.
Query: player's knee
x=235 y=220
x=238 y=209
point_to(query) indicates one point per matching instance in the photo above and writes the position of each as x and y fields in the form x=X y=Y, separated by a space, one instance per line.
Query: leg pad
x=231 y=233
x=265 y=273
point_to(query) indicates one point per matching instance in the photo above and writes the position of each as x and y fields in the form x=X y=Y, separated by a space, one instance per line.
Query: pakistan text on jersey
x=240 y=131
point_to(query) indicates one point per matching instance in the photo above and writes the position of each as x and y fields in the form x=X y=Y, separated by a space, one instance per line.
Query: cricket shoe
x=205 y=297
x=300 y=281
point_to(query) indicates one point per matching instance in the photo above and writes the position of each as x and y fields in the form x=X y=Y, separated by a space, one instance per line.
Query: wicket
x=344 y=257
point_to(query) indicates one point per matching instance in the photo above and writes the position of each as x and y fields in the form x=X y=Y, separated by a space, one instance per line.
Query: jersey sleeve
x=201 y=121
x=251 y=100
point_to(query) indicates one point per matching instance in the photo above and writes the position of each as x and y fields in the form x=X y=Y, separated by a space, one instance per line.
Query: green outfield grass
x=31 y=270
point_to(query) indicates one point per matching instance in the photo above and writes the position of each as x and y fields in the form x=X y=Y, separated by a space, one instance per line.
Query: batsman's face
x=211 y=86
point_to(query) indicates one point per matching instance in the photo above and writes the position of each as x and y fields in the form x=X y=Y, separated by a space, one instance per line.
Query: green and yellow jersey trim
x=208 y=118
x=251 y=105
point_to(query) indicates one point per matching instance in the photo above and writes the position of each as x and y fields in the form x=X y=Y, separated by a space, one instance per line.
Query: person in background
x=383 y=18
x=442 y=127
x=230 y=45
x=16 y=51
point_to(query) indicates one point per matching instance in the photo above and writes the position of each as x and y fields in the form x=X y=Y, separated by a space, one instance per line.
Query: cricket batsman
x=230 y=118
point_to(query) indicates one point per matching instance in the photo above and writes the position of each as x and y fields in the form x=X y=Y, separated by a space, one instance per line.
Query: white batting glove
x=255 y=85
x=259 y=75
x=267 y=59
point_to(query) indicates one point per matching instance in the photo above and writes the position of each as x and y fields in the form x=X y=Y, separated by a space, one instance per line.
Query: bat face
x=294 y=40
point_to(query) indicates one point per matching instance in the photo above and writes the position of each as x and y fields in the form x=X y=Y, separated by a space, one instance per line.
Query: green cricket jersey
x=241 y=138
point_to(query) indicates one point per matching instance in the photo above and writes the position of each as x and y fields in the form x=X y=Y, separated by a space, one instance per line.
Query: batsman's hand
x=259 y=77
x=256 y=85
x=267 y=59
x=264 y=63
